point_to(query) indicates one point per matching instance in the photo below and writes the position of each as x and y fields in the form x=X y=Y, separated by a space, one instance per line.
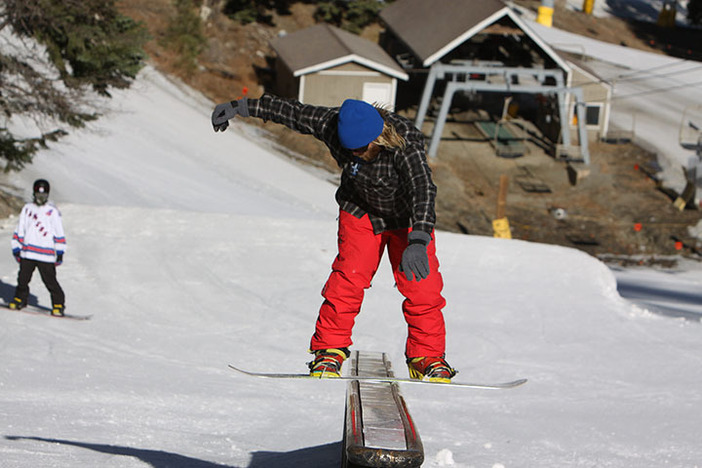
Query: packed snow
x=192 y=250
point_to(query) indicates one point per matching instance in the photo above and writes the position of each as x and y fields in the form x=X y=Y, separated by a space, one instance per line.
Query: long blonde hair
x=389 y=138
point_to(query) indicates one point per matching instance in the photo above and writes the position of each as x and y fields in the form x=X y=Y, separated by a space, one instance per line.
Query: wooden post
x=502 y=196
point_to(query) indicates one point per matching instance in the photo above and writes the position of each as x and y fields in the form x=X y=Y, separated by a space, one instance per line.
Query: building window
x=592 y=114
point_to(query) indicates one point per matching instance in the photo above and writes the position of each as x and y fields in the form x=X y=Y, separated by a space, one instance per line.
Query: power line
x=644 y=70
x=657 y=90
x=660 y=75
x=634 y=79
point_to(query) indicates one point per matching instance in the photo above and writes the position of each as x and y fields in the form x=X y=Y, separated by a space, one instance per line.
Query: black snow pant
x=48 y=276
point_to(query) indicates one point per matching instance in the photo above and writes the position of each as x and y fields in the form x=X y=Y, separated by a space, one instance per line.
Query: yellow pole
x=588 y=5
x=666 y=17
x=545 y=13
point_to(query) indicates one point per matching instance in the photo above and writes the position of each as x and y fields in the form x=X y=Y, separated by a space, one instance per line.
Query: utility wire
x=645 y=70
x=633 y=79
x=657 y=90
x=659 y=75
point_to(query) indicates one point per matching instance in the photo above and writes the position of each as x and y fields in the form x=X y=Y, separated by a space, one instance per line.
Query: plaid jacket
x=395 y=189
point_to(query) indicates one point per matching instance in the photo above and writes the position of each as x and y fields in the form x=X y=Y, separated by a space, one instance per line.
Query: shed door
x=378 y=92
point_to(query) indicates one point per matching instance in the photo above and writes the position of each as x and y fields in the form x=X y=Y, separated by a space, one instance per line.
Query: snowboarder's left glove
x=16 y=254
x=228 y=110
x=59 y=258
x=414 y=259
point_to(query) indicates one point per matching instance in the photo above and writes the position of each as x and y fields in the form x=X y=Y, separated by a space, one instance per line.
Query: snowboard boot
x=432 y=369
x=327 y=362
x=16 y=304
x=57 y=310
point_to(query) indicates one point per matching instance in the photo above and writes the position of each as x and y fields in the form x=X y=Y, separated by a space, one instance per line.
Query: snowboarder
x=39 y=242
x=386 y=199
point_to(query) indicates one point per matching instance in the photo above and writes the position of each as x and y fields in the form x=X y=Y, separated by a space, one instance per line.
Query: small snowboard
x=46 y=312
x=488 y=386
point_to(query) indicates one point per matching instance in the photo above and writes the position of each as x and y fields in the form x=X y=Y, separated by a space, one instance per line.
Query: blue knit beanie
x=359 y=124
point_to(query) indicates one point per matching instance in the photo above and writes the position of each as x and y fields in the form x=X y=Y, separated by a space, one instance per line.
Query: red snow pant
x=360 y=251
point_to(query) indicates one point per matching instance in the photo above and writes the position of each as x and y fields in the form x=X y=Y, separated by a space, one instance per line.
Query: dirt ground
x=617 y=212
x=612 y=209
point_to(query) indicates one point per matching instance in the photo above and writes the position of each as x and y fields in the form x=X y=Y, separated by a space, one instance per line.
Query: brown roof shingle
x=323 y=46
x=426 y=26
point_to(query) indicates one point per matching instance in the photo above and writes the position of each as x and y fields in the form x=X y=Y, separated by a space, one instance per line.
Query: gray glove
x=414 y=258
x=228 y=110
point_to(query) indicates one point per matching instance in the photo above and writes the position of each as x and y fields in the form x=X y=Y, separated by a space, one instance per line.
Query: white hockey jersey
x=39 y=234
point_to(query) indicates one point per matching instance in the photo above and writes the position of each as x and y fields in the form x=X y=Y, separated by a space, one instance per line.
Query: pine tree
x=185 y=35
x=89 y=41
x=89 y=44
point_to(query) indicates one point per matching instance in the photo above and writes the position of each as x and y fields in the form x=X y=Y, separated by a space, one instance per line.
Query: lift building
x=473 y=47
x=323 y=65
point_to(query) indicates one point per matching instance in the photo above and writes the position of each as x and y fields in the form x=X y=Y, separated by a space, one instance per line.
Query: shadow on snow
x=7 y=293
x=661 y=300
x=323 y=456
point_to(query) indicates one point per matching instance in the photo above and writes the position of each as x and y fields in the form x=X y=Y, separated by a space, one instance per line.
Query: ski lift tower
x=691 y=139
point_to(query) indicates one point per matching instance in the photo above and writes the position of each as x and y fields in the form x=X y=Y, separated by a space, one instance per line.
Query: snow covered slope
x=193 y=250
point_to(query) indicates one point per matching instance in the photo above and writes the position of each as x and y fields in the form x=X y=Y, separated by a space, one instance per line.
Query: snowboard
x=46 y=312
x=487 y=386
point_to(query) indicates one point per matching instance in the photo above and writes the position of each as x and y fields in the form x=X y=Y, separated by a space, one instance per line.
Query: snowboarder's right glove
x=16 y=254
x=59 y=258
x=228 y=110
x=414 y=259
